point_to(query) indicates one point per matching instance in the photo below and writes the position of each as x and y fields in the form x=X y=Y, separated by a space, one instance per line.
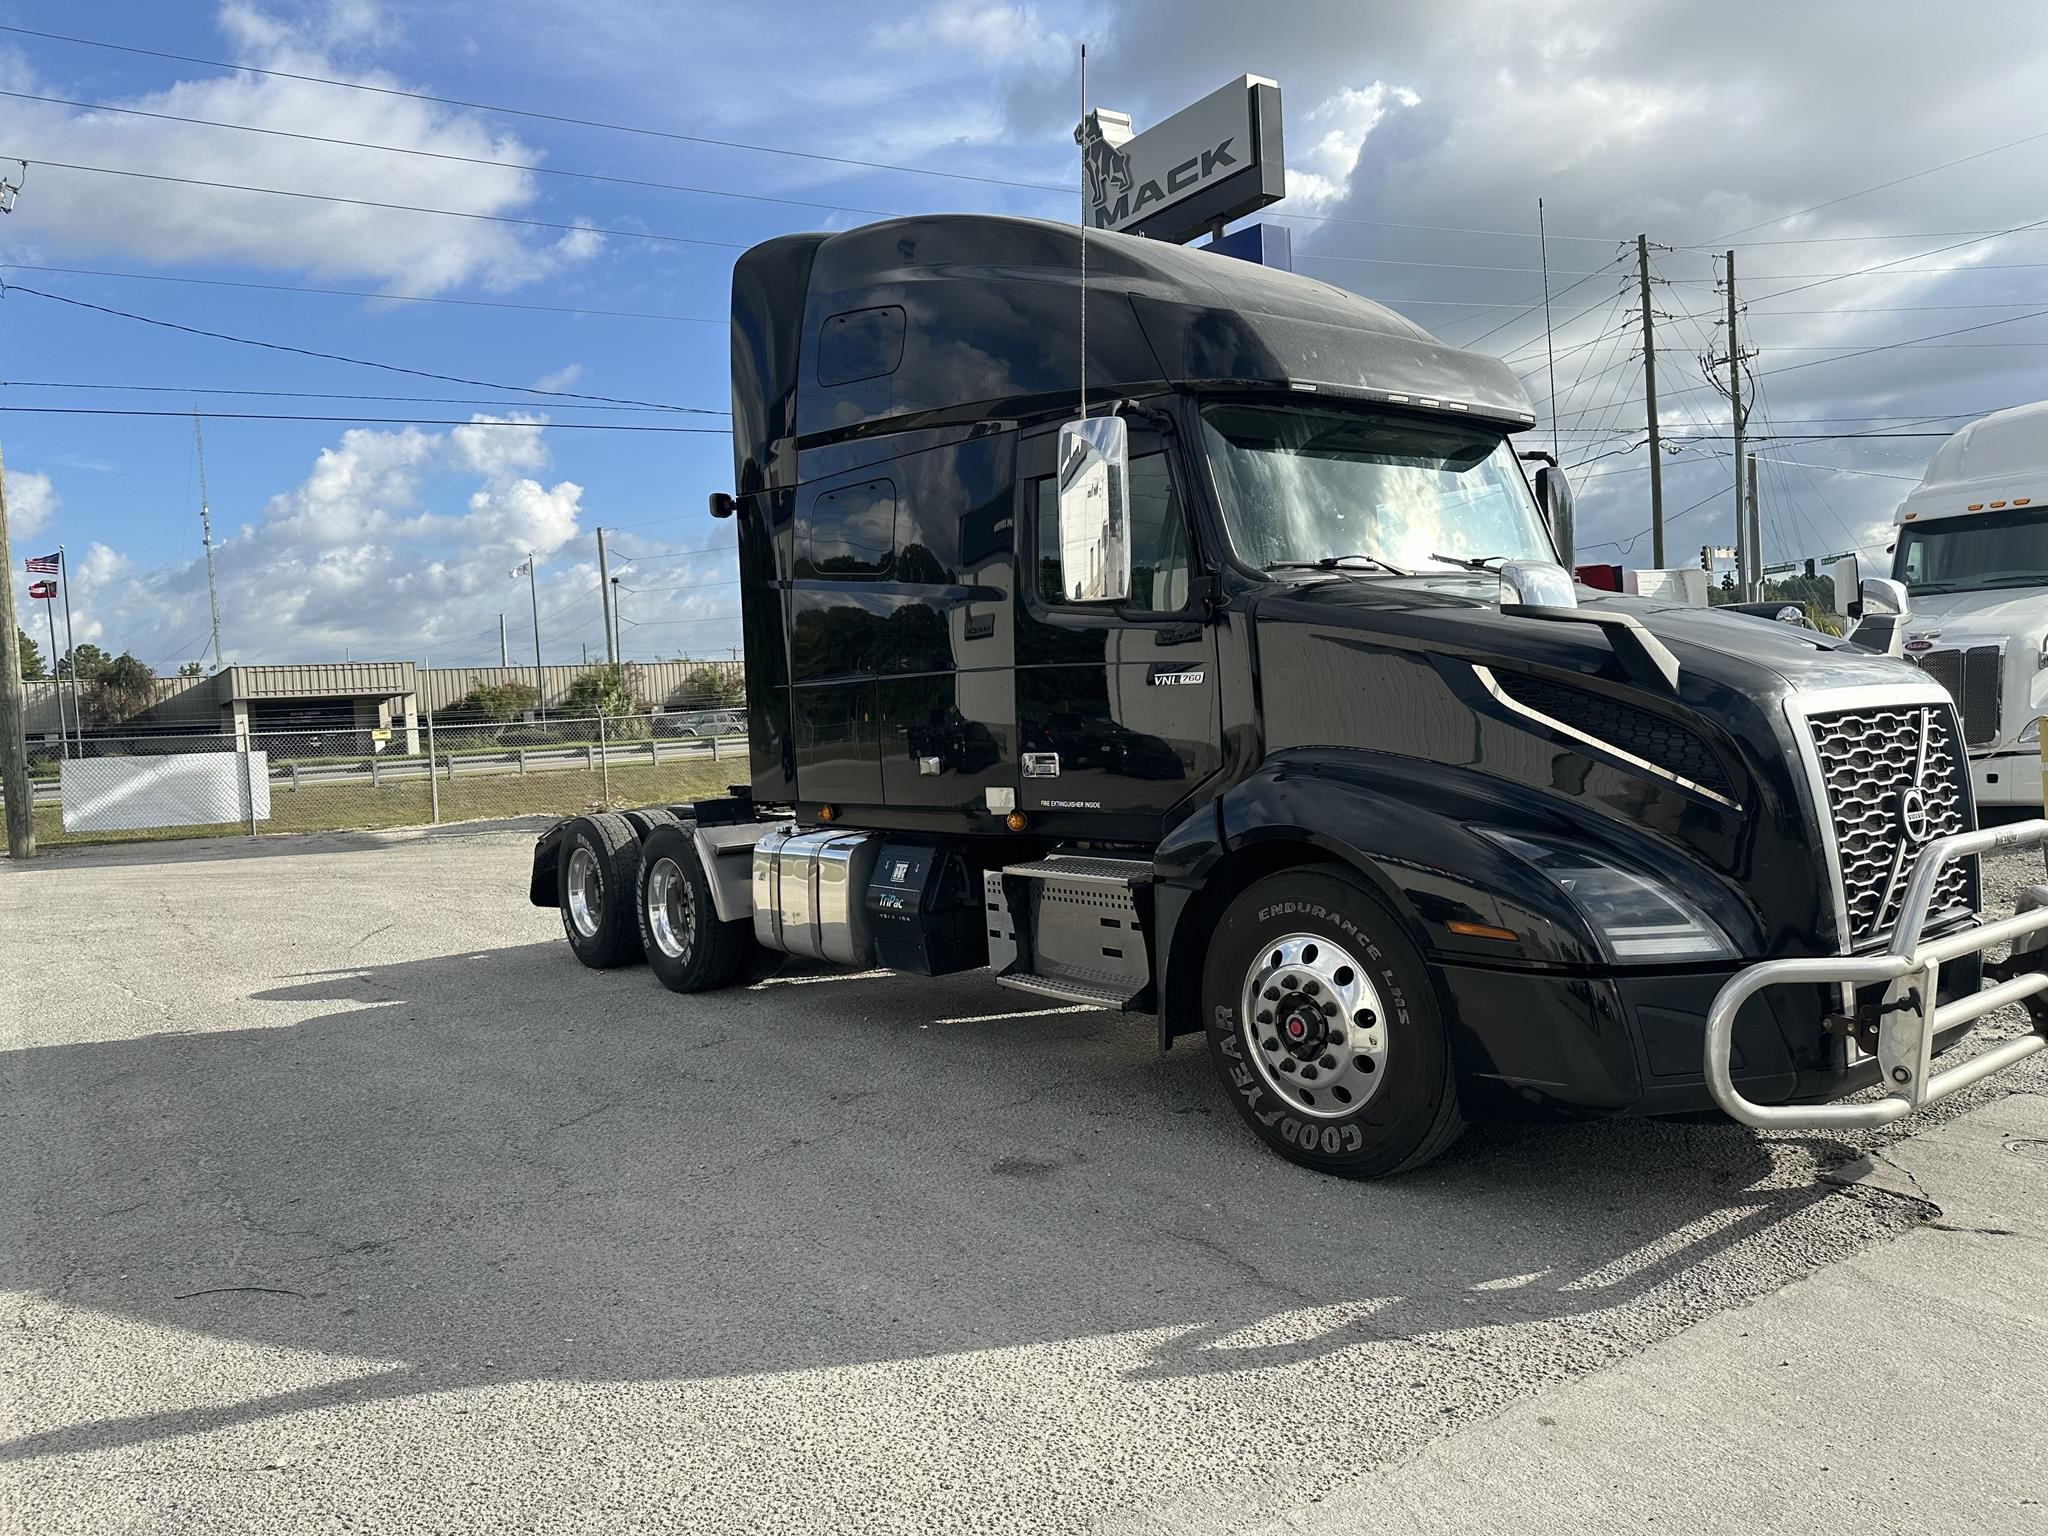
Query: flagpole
x=77 y=714
x=50 y=613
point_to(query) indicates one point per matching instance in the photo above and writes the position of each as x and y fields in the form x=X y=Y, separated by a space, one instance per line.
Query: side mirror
x=1536 y=584
x=1094 y=482
x=1885 y=598
x=1848 y=588
x=1882 y=610
x=722 y=505
x=1554 y=496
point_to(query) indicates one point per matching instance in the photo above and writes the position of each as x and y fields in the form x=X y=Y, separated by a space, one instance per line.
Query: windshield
x=1307 y=483
x=1965 y=554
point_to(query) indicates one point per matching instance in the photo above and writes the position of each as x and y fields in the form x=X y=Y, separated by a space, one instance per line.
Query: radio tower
x=206 y=537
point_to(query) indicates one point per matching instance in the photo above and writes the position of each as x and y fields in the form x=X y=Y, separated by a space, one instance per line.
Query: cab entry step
x=1071 y=926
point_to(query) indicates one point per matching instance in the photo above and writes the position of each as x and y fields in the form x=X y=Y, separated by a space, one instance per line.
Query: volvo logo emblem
x=1916 y=822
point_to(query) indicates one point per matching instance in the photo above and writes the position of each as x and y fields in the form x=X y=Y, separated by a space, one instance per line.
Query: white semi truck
x=1972 y=551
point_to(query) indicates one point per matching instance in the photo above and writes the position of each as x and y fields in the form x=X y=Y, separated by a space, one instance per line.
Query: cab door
x=1117 y=704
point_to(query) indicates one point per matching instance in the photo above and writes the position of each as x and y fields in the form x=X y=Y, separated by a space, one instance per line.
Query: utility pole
x=14 y=780
x=504 y=653
x=206 y=537
x=540 y=673
x=1747 y=560
x=1650 y=407
x=1756 y=548
x=604 y=587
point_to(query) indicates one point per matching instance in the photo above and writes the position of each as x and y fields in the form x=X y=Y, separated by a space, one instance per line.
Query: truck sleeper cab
x=1255 y=702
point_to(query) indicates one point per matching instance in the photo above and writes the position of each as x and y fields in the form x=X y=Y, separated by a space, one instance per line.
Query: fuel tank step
x=1072 y=926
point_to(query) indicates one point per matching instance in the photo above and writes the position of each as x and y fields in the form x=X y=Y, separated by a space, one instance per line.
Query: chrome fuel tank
x=810 y=893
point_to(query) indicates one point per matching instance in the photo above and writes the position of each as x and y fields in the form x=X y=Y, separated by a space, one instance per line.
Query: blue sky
x=1417 y=146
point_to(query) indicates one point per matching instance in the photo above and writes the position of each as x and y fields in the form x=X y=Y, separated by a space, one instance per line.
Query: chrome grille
x=1971 y=678
x=1869 y=758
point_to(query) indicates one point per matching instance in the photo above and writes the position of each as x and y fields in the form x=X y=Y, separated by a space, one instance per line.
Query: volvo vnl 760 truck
x=1235 y=685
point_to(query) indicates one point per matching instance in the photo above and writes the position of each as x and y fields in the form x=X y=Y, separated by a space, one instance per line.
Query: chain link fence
x=115 y=788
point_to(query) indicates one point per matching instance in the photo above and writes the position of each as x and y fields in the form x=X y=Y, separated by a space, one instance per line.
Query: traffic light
x=1809 y=570
x=1727 y=581
x=1707 y=558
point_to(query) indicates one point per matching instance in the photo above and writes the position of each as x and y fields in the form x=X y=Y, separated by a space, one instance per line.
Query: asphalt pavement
x=340 y=1198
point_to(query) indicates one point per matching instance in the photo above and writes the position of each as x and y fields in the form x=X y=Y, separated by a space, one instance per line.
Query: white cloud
x=74 y=211
x=31 y=502
x=1337 y=134
x=562 y=378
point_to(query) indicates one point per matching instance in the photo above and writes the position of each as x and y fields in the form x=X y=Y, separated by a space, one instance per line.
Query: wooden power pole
x=1747 y=565
x=14 y=779
x=1650 y=407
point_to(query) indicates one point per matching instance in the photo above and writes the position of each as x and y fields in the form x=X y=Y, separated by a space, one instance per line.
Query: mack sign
x=1209 y=163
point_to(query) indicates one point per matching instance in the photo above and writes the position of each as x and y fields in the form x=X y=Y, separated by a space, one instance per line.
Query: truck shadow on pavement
x=496 y=1167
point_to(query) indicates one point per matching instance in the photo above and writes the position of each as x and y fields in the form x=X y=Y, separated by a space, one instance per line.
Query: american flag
x=45 y=565
x=43 y=590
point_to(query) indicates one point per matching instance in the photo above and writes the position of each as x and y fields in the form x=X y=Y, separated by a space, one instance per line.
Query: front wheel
x=688 y=948
x=1324 y=1029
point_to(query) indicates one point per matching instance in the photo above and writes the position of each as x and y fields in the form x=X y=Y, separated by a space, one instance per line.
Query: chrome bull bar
x=1909 y=1018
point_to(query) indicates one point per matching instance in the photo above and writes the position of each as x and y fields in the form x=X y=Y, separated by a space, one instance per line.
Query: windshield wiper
x=1476 y=564
x=1335 y=562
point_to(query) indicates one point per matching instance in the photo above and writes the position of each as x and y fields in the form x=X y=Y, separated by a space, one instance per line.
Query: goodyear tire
x=1324 y=1028
x=600 y=860
x=688 y=948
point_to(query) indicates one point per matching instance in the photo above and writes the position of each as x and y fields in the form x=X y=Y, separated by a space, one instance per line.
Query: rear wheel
x=1324 y=1028
x=594 y=887
x=688 y=948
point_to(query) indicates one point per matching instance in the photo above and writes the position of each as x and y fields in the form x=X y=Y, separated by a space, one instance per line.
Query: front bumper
x=1913 y=1013
x=1534 y=1044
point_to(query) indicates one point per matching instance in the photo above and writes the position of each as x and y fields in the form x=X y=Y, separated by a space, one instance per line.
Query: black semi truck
x=1237 y=685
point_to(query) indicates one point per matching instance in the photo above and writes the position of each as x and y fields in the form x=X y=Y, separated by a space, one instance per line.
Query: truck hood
x=1460 y=614
x=2002 y=613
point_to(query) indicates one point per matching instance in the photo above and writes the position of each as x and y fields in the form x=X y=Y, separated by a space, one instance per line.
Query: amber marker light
x=826 y=813
x=1483 y=931
x=1016 y=821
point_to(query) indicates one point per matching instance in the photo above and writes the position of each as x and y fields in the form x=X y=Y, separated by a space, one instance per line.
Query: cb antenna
x=1081 y=133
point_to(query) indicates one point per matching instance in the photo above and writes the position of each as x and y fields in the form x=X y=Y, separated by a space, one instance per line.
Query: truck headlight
x=2030 y=734
x=1635 y=919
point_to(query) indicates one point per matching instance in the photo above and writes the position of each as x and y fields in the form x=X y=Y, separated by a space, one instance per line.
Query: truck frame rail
x=1909 y=1018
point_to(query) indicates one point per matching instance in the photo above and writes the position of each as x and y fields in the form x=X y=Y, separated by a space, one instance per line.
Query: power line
x=359 y=362
x=364 y=421
x=1453 y=266
x=526 y=112
x=367 y=202
x=1941 y=250
x=1883 y=185
x=436 y=154
x=308 y=394
x=392 y=298
x=1882 y=268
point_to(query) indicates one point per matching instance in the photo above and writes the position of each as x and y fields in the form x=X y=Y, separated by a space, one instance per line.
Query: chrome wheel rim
x=1315 y=1027
x=671 y=909
x=586 y=891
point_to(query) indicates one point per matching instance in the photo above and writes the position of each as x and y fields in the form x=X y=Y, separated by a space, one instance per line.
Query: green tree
x=498 y=701
x=191 y=669
x=122 y=689
x=599 y=692
x=31 y=657
x=85 y=662
x=710 y=686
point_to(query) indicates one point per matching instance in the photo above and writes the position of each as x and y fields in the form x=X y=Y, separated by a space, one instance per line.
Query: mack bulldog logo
x=1107 y=167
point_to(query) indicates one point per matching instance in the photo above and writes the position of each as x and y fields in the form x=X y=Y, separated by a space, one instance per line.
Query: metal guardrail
x=1909 y=1018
